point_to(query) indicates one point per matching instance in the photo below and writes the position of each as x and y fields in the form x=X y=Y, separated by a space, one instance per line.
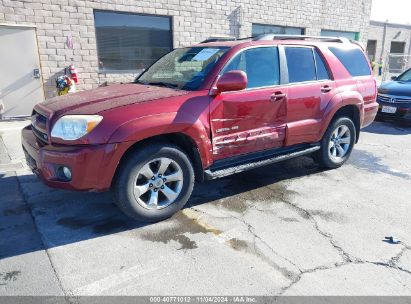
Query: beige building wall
x=385 y=33
x=192 y=22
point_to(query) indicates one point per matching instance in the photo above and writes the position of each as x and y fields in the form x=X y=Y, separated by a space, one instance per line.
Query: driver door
x=253 y=119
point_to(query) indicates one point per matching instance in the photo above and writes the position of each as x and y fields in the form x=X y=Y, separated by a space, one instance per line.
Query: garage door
x=20 y=80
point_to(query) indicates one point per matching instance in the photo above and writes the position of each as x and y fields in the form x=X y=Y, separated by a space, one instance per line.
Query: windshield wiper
x=162 y=84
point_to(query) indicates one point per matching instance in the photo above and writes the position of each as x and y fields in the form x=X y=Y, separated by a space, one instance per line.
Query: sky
x=395 y=11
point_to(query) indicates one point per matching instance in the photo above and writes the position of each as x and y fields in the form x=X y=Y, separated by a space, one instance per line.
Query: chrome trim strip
x=398 y=99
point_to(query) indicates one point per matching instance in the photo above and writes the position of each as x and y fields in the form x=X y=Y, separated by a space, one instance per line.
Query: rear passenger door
x=310 y=88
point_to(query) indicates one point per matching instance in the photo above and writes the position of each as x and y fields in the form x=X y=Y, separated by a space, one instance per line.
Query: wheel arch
x=181 y=140
x=351 y=111
x=349 y=104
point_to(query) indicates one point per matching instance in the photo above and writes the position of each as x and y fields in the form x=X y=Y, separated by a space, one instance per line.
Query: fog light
x=67 y=173
x=64 y=173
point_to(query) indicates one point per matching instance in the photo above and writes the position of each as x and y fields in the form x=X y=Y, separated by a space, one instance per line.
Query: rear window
x=353 y=60
x=300 y=63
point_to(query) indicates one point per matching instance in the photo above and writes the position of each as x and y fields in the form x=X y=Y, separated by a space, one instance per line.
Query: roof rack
x=218 y=38
x=223 y=38
x=360 y=44
x=286 y=37
x=300 y=37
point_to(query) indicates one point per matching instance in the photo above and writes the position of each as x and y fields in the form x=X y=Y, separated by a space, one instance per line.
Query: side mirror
x=232 y=81
x=394 y=78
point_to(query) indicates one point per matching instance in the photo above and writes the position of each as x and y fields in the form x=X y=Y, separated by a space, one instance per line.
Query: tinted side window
x=260 y=64
x=353 y=60
x=301 y=65
x=322 y=72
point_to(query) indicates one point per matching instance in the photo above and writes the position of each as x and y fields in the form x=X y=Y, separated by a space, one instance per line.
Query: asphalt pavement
x=284 y=229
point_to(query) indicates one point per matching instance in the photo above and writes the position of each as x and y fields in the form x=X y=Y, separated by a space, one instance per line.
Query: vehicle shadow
x=389 y=128
x=44 y=218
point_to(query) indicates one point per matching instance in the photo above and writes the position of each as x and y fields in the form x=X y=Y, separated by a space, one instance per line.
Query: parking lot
x=288 y=229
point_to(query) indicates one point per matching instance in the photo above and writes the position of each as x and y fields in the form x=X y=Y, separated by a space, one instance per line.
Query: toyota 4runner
x=204 y=112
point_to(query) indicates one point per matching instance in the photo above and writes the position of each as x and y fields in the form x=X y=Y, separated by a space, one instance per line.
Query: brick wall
x=193 y=21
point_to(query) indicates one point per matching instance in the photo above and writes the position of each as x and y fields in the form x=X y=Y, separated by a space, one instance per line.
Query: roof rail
x=360 y=44
x=223 y=38
x=285 y=37
x=218 y=38
x=300 y=37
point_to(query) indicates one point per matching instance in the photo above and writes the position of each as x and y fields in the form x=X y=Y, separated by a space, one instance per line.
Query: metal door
x=20 y=80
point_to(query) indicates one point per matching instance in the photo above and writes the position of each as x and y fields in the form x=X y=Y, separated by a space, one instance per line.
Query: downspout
x=409 y=45
x=383 y=40
x=408 y=65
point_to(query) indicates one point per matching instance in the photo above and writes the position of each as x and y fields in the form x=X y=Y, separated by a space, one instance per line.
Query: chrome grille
x=403 y=100
x=393 y=99
x=39 y=126
x=40 y=135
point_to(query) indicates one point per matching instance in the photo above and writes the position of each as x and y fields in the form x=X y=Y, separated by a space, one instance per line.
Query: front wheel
x=337 y=143
x=154 y=182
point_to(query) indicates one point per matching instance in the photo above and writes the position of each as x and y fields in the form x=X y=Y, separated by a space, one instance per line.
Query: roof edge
x=382 y=23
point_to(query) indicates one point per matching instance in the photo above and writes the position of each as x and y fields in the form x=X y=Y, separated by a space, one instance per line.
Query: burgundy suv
x=204 y=112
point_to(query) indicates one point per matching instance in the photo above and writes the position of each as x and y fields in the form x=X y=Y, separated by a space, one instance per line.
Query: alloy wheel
x=339 y=144
x=158 y=183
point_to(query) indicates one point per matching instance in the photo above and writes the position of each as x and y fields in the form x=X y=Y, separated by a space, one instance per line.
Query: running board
x=209 y=174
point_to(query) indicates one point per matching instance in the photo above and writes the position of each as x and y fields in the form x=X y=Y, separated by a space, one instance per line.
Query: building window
x=348 y=35
x=397 y=47
x=397 y=62
x=130 y=42
x=259 y=29
x=371 y=49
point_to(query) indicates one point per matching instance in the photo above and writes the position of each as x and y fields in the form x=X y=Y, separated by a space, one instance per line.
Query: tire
x=330 y=155
x=134 y=179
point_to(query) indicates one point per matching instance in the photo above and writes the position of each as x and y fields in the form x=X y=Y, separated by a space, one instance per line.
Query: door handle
x=326 y=89
x=277 y=96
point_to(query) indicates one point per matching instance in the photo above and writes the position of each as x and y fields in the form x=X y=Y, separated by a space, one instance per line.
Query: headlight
x=72 y=127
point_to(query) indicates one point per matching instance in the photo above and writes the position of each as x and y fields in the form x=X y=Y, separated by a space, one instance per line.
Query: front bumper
x=92 y=166
x=402 y=112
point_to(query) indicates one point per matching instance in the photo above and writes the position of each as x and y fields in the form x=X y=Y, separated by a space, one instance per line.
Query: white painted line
x=12 y=129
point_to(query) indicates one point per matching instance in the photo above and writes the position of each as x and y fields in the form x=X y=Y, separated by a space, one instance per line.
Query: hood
x=105 y=98
x=396 y=88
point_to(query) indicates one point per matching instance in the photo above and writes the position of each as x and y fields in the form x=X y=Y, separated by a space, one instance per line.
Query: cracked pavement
x=284 y=229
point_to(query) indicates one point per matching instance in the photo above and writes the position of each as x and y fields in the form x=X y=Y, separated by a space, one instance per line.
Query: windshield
x=406 y=76
x=184 y=68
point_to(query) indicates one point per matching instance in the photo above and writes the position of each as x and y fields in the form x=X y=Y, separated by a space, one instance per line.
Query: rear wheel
x=154 y=183
x=337 y=143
